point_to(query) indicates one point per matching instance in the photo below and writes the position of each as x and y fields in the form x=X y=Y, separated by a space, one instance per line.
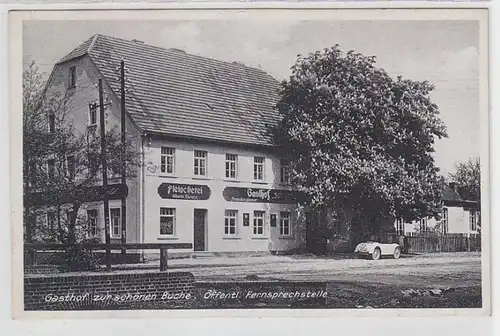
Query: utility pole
x=124 y=168
x=104 y=175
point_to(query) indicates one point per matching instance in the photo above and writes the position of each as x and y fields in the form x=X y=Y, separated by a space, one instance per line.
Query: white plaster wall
x=458 y=222
x=216 y=204
x=79 y=98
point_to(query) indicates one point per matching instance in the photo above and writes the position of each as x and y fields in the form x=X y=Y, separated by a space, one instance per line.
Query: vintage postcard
x=321 y=162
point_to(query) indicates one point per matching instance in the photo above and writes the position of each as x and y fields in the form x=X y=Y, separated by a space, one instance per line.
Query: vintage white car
x=376 y=250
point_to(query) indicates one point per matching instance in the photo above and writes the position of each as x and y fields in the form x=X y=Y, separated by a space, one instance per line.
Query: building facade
x=209 y=172
x=458 y=216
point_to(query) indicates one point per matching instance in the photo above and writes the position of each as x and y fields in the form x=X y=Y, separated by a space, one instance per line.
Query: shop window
x=285 y=223
x=230 y=222
x=167 y=160
x=258 y=223
x=167 y=221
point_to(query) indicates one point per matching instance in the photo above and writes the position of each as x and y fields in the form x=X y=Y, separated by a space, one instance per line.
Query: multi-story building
x=210 y=174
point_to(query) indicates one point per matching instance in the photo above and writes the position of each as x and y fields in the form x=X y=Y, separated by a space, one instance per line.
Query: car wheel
x=397 y=253
x=376 y=254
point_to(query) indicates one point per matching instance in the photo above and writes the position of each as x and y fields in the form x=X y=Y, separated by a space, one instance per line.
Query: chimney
x=178 y=50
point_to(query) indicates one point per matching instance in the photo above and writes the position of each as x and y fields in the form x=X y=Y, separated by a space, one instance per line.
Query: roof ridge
x=173 y=49
x=91 y=46
x=185 y=94
x=78 y=51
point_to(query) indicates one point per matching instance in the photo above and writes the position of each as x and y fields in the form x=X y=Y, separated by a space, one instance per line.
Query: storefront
x=215 y=213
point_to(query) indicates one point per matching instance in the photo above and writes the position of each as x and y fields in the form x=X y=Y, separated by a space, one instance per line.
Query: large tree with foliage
x=468 y=179
x=358 y=139
x=61 y=164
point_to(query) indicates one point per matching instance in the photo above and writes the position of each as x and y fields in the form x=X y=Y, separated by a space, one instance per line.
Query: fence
x=431 y=243
x=32 y=248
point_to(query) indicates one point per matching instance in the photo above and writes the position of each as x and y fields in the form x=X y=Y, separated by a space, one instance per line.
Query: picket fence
x=432 y=243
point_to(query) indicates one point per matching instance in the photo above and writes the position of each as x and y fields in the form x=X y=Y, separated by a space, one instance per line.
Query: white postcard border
x=15 y=67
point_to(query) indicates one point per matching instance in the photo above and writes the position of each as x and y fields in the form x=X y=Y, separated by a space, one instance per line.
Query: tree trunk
x=72 y=223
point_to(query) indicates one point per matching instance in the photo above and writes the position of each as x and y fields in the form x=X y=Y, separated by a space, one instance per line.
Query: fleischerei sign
x=184 y=191
x=259 y=195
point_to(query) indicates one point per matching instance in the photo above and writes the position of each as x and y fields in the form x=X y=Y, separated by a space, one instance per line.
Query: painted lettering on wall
x=259 y=195
x=86 y=194
x=184 y=191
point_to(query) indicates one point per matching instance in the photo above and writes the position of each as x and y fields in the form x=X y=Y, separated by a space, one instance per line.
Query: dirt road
x=436 y=270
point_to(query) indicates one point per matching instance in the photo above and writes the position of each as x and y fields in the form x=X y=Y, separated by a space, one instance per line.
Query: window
x=116 y=222
x=51 y=122
x=72 y=77
x=258 y=223
x=69 y=216
x=230 y=222
x=400 y=227
x=92 y=222
x=51 y=221
x=51 y=168
x=423 y=225
x=444 y=221
x=32 y=173
x=167 y=160
x=71 y=166
x=200 y=163
x=167 y=221
x=92 y=114
x=473 y=220
x=285 y=223
x=258 y=168
x=231 y=160
x=284 y=171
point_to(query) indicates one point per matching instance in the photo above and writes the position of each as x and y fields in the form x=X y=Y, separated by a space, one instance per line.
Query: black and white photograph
x=236 y=160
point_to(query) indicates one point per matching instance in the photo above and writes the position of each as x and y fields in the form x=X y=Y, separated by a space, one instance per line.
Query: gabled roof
x=448 y=194
x=452 y=197
x=174 y=93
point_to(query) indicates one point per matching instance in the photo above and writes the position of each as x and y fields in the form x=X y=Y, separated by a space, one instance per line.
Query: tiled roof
x=448 y=194
x=175 y=93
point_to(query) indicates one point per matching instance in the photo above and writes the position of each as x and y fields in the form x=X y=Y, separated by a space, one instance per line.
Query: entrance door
x=200 y=216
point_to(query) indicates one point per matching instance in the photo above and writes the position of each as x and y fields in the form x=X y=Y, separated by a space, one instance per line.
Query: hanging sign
x=184 y=191
x=259 y=195
x=84 y=194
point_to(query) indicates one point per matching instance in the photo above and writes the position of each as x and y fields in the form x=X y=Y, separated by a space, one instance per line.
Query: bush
x=80 y=259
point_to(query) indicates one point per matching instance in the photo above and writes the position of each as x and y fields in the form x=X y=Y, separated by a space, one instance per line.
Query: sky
x=443 y=52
